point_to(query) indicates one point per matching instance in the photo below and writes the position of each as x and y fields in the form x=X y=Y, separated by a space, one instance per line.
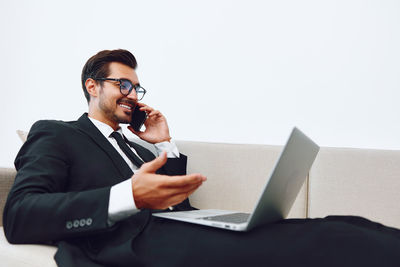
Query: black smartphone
x=138 y=118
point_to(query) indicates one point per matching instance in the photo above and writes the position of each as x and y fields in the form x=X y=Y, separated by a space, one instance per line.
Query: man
x=73 y=179
x=81 y=187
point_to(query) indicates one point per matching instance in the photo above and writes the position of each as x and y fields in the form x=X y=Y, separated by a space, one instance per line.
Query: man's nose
x=132 y=95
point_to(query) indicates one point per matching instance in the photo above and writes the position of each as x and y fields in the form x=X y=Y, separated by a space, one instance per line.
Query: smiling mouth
x=125 y=107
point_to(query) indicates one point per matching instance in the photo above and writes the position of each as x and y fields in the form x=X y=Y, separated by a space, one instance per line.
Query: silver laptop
x=277 y=198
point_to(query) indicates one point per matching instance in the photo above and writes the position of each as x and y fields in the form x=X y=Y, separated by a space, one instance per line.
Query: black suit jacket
x=61 y=192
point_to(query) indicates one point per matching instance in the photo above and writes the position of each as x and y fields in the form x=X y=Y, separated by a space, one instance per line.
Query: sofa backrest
x=236 y=174
x=361 y=182
x=342 y=181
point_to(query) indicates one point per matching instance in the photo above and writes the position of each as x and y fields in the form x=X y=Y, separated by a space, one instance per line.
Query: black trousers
x=331 y=241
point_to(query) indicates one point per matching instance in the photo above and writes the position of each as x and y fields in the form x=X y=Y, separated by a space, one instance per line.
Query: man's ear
x=91 y=87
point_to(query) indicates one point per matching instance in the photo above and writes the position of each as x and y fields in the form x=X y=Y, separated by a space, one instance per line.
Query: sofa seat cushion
x=25 y=255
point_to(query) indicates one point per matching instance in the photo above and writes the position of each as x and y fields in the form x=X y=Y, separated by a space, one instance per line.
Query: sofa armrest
x=7 y=176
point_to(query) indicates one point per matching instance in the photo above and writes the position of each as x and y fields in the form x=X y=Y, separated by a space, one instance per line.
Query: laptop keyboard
x=230 y=218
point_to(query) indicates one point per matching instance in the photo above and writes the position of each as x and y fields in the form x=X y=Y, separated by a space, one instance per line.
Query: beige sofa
x=341 y=182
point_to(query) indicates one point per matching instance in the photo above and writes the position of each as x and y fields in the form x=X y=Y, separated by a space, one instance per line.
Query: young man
x=75 y=182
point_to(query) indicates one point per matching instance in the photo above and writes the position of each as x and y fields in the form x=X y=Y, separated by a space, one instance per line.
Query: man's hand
x=154 y=191
x=157 y=130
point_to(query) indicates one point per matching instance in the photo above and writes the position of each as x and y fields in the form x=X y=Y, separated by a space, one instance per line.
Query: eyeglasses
x=126 y=87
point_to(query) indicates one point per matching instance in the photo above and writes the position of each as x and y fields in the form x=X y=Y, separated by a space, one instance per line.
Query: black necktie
x=128 y=152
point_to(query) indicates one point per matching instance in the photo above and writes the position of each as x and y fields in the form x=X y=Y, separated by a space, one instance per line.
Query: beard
x=109 y=109
x=121 y=120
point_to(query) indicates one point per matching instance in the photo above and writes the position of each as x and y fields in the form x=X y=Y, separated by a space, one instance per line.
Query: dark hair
x=97 y=65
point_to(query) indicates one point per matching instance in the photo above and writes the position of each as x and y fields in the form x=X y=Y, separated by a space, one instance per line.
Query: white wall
x=225 y=71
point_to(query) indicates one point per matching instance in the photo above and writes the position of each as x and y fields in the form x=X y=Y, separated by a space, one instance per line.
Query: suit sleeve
x=38 y=208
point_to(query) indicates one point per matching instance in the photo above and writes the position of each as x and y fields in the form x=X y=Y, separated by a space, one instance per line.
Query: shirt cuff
x=121 y=204
x=169 y=147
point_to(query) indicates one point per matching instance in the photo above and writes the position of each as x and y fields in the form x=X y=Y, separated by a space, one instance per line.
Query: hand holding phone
x=156 y=131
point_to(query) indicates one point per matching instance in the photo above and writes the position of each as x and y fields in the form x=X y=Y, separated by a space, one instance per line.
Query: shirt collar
x=104 y=128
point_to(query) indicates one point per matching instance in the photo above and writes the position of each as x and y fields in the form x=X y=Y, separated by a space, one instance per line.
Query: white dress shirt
x=121 y=203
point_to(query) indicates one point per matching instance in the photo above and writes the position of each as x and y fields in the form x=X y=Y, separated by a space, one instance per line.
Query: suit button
x=88 y=221
x=68 y=225
x=76 y=223
x=82 y=222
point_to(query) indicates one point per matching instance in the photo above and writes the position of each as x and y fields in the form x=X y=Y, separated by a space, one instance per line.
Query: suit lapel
x=87 y=127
